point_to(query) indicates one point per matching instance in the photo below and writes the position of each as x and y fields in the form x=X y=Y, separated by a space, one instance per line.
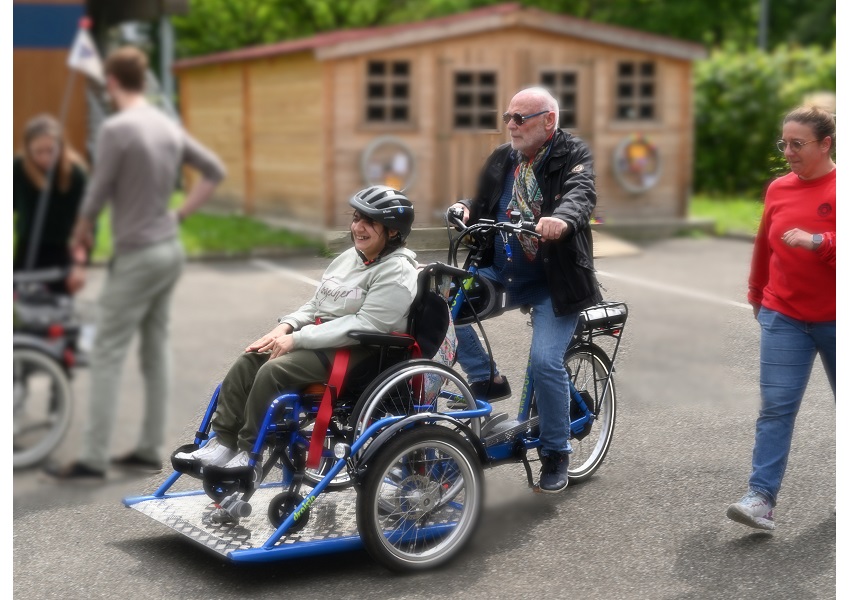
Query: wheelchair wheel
x=42 y=404
x=421 y=499
x=589 y=367
x=412 y=387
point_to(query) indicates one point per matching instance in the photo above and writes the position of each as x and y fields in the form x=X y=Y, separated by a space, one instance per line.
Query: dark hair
x=819 y=119
x=392 y=243
x=128 y=66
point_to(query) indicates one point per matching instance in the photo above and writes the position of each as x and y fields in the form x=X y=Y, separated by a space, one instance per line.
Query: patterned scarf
x=527 y=197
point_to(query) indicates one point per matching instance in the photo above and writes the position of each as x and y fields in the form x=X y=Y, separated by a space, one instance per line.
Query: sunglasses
x=520 y=119
x=796 y=145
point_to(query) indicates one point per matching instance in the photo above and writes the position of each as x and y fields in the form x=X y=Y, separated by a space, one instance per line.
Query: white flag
x=84 y=56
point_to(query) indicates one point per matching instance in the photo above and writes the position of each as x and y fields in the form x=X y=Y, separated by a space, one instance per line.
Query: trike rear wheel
x=421 y=499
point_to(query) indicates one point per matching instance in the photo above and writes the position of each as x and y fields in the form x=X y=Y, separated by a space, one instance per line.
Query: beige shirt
x=139 y=153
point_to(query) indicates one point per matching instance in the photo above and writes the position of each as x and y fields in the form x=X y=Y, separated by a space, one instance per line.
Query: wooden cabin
x=303 y=124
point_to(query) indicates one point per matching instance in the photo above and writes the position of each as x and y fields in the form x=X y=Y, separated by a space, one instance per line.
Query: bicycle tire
x=421 y=499
x=589 y=367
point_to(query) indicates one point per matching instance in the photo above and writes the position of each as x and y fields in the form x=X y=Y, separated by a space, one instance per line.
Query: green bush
x=741 y=98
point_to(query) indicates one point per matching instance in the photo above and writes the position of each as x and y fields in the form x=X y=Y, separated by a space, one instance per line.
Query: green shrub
x=741 y=98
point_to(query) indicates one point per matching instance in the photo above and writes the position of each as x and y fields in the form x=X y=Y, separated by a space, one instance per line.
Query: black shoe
x=496 y=391
x=134 y=461
x=554 y=472
x=75 y=471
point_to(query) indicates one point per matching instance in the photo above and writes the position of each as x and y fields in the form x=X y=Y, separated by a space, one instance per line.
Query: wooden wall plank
x=39 y=78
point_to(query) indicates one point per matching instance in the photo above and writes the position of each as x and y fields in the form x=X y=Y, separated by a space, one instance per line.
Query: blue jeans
x=788 y=349
x=549 y=341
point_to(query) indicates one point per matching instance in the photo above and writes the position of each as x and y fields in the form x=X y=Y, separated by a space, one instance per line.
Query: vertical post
x=166 y=57
x=763 y=19
x=247 y=140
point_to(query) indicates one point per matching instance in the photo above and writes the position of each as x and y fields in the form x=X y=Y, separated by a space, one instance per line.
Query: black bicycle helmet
x=387 y=206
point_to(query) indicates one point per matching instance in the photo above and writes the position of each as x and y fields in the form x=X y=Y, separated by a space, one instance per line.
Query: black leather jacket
x=569 y=193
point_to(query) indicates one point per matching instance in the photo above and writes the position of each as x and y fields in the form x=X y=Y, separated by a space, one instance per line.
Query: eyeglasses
x=520 y=119
x=796 y=145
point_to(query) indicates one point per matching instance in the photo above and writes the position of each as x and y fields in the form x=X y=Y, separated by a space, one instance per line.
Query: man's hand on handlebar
x=551 y=228
x=457 y=211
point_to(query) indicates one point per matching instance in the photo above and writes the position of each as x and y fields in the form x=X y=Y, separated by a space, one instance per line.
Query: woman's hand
x=265 y=343
x=798 y=237
x=282 y=345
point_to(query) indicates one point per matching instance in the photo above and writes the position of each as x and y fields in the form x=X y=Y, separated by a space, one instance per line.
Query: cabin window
x=388 y=91
x=636 y=90
x=563 y=85
x=475 y=100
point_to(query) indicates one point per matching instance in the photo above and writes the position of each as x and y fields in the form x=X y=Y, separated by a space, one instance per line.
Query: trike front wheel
x=421 y=499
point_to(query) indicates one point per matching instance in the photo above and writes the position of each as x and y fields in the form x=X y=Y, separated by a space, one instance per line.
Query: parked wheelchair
x=47 y=345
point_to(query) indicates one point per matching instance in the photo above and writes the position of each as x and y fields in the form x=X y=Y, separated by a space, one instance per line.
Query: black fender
x=417 y=420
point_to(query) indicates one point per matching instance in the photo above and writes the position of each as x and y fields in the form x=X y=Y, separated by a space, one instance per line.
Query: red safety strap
x=326 y=409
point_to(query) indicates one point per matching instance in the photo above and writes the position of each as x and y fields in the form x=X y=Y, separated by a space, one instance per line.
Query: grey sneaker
x=240 y=460
x=554 y=472
x=754 y=510
x=213 y=454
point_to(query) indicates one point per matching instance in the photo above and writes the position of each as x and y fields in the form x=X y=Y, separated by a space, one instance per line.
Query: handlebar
x=454 y=218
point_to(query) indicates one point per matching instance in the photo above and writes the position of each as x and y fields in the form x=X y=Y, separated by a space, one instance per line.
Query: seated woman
x=369 y=287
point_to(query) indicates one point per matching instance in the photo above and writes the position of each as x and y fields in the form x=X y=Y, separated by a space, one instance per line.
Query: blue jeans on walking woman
x=549 y=341
x=788 y=349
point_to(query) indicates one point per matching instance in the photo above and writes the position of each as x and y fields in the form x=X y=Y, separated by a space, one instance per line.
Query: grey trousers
x=254 y=381
x=136 y=297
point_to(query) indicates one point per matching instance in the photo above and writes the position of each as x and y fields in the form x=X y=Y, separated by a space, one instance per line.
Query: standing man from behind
x=547 y=175
x=139 y=154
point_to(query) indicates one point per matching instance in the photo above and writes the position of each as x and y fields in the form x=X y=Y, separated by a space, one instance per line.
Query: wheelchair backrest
x=429 y=318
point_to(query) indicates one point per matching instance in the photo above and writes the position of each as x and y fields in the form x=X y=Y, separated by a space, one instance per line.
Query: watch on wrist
x=817 y=239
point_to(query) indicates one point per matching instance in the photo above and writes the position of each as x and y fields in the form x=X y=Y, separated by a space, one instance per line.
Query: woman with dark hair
x=43 y=144
x=792 y=291
x=370 y=287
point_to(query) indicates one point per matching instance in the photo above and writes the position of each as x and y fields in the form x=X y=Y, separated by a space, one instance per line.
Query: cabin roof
x=351 y=42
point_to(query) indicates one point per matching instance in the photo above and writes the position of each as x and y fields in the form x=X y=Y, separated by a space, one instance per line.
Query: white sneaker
x=214 y=453
x=240 y=460
x=754 y=510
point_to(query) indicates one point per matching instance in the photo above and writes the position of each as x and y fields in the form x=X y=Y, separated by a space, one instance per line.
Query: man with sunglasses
x=547 y=175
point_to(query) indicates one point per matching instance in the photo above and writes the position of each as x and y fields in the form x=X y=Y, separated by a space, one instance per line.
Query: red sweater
x=796 y=282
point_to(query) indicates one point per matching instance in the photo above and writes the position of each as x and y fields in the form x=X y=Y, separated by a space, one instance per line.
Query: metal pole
x=44 y=196
x=763 y=18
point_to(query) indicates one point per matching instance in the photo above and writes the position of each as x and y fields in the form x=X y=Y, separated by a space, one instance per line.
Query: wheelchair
x=48 y=339
x=391 y=459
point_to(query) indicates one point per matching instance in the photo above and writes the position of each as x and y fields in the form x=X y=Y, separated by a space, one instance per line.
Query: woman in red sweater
x=792 y=291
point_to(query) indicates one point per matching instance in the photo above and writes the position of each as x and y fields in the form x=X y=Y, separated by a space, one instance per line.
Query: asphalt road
x=650 y=524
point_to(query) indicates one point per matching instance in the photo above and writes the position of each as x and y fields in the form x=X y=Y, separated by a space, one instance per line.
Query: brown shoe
x=76 y=471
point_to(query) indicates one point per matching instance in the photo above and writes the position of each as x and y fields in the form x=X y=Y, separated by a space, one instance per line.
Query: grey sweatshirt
x=356 y=297
x=139 y=153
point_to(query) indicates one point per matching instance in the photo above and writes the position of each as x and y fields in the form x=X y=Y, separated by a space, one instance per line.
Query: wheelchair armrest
x=386 y=340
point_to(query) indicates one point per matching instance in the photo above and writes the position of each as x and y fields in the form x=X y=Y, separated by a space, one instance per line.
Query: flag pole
x=44 y=195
